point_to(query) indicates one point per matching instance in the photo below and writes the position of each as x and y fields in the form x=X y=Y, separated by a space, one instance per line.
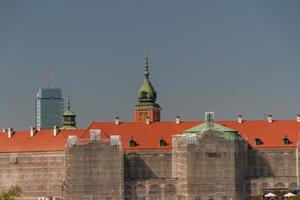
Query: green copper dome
x=147 y=92
x=210 y=125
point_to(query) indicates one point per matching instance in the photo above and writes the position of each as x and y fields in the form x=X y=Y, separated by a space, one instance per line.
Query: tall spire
x=69 y=101
x=147 y=106
x=146 y=63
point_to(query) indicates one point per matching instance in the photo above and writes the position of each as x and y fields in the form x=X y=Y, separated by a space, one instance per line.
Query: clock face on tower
x=143 y=116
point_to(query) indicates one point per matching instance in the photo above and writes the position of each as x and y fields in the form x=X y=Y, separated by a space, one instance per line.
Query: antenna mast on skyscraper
x=48 y=79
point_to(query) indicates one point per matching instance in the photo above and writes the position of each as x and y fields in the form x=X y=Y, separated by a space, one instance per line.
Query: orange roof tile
x=43 y=140
x=148 y=136
x=271 y=134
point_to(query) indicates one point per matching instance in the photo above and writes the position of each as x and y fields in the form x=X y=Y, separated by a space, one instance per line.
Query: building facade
x=49 y=108
x=150 y=159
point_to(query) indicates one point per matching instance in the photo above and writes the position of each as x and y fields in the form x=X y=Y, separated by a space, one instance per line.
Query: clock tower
x=147 y=106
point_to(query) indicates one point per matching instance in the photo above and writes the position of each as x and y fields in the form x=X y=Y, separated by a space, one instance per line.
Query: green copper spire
x=147 y=106
x=146 y=63
x=69 y=116
x=147 y=92
x=69 y=102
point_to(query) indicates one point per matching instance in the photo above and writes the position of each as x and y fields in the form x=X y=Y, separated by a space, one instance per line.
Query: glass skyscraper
x=49 y=108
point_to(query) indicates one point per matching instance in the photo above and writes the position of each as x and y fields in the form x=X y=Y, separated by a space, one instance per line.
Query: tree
x=11 y=194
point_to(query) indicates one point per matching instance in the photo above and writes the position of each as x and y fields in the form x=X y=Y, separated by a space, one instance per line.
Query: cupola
x=69 y=117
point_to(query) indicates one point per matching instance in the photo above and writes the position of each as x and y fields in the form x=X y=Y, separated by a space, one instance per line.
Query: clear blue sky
x=231 y=57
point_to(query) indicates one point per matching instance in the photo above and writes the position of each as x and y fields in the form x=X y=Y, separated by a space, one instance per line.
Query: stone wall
x=39 y=174
x=147 y=165
x=151 y=189
x=209 y=166
x=271 y=169
x=94 y=171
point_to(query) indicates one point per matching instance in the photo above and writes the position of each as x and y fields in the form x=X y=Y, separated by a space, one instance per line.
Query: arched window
x=154 y=190
x=127 y=192
x=170 y=190
x=293 y=186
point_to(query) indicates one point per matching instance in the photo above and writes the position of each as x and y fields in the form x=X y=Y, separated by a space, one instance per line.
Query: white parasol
x=270 y=195
x=289 y=195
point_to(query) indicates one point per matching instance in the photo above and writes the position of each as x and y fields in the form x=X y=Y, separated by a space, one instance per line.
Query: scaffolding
x=94 y=168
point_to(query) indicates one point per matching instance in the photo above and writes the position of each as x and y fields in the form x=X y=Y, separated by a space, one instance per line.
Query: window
x=286 y=141
x=154 y=190
x=258 y=141
x=132 y=142
x=162 y=143
x=95 y=134
x=170 y=190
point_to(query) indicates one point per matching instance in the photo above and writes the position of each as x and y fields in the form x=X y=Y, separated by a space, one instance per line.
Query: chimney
x=147 y=120
x=240 y=119
x=298 y=118
x=117 y=121
x=32 y=131
x=10 y=132
x=55 y=130
x=177 y=120
x=269 y=119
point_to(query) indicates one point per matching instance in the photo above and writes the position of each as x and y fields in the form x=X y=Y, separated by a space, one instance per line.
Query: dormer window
x=258 y=141
x=286 y=140
x=162 y=143
x=132 y=142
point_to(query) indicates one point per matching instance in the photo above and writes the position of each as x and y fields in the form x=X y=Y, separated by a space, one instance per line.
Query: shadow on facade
x=259 y=168
x=135 y=168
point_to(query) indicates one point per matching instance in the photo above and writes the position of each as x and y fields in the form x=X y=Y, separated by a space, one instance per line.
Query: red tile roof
x=271 y=134
x=43 y=140
x=148 y=136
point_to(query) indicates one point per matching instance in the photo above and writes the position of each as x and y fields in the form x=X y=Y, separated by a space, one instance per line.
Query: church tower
x=69 y=117
x=147 y=108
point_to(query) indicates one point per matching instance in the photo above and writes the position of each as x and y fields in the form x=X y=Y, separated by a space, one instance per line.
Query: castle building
x=150 y=159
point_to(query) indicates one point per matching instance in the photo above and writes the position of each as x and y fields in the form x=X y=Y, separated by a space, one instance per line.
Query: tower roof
x=69 y=117
x=147 y=92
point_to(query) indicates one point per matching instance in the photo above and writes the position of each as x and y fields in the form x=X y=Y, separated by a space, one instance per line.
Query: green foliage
x=11 y=194
x=294 y=198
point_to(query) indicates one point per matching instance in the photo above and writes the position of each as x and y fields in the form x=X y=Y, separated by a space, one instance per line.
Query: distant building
x=49 y=108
